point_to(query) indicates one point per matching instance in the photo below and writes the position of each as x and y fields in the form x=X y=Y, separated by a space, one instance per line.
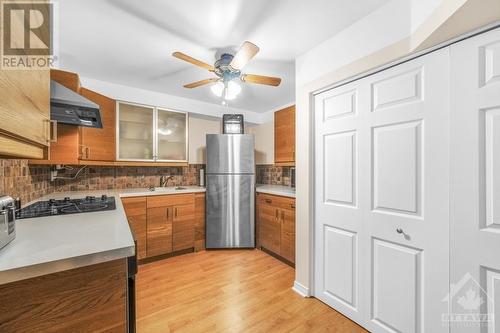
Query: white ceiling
x=130 y=42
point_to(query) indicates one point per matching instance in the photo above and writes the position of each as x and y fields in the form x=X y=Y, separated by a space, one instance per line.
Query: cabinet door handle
x=87 y=153
x=282 y=216
x=175 y=211
x=292 y=205
x=53 y=131
x=167 y=213
x=277 y=215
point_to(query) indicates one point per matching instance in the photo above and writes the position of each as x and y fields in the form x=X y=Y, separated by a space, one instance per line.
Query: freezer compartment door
x=230 y=153
x=230 y=220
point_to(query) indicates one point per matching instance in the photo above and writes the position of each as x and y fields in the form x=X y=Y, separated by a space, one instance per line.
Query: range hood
x=68 y=107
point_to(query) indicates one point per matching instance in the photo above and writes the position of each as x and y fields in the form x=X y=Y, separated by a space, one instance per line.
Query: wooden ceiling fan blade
x=193 y=61
x=261 y=79
x=246 y=52
x=201 y=83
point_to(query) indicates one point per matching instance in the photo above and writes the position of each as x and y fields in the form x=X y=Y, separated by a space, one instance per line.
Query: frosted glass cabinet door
x=136 y=138
x=171 y=135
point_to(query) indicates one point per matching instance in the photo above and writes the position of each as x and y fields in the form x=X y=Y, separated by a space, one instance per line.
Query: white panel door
x=475 y=184
x=338 y=209
x=381 y=197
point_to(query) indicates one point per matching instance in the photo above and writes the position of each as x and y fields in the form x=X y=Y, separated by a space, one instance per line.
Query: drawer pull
x=269 y=201
x=292 y=205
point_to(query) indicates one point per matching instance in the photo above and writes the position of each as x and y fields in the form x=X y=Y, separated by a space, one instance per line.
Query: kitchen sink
x=170 y=188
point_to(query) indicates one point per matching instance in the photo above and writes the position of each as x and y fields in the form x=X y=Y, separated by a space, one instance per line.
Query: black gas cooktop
x=67 y=206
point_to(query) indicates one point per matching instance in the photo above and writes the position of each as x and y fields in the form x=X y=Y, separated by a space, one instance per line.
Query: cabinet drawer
x=170 y=200
x=276 y=201
x=134 y=206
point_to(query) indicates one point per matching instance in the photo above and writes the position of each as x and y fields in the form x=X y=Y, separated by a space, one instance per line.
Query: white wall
x=142 y=96
x=385 y=26
x=420 y=10
x=198 y=128
x=264 y=142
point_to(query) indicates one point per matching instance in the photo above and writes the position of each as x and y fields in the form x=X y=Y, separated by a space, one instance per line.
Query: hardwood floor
x=228 y=291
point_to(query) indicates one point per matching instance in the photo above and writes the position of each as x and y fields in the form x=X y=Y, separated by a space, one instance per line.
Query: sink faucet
x=164 y=180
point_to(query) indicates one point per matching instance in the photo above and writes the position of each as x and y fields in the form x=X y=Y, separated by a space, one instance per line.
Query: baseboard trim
x=300 y=289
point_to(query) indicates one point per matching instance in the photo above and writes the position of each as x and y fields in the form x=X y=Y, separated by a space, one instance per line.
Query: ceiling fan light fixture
x=217 y=89
x=233 y=89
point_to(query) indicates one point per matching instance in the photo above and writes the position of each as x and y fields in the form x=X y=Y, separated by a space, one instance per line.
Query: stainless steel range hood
x=68 y=107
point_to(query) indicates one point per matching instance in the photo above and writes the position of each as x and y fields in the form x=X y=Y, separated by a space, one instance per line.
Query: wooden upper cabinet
x=71 y=144
x=64 y=147
x=284 y=136
x=68 y=79
x=98 y=144
x=24 y=113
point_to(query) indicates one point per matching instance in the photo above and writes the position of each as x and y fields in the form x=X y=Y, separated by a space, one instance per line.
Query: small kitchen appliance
x=233 y=124
x=7 y=220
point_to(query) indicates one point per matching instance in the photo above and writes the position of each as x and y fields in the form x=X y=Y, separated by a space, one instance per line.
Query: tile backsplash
x=29 y=182
x=273 y=175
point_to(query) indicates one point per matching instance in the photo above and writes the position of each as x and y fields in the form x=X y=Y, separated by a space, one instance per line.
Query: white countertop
x=285 y=191
x=46 y=245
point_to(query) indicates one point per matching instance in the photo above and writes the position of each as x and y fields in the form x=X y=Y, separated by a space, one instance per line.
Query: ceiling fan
x=228 y=68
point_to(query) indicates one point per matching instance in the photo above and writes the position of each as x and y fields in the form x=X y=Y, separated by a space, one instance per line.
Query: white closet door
x=381 y=197
x=339 y=261
x=475 y=183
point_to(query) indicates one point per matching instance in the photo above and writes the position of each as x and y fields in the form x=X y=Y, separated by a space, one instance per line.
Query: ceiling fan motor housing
x=224 y=70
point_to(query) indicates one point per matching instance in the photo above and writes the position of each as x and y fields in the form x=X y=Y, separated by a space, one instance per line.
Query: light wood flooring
x=228 y=291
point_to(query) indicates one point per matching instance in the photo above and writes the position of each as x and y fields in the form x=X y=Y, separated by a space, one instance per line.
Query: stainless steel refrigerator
x=230 y=196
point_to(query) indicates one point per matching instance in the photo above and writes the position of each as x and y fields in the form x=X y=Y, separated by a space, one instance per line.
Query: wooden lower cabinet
x=135 y=208
x=199 y=221
x=276 y=225
x=159 y=231
x=163 y=224
x=87 y=299
x=183 y=227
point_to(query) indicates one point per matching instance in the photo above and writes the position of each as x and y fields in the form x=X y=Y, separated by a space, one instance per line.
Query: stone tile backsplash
x=29 y=182
x=273 y=175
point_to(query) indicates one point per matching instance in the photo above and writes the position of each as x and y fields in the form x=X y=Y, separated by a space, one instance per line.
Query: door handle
x=53 y=131
x=86 y=152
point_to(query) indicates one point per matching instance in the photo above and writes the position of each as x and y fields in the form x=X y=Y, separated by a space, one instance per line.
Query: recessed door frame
x=312 y=130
